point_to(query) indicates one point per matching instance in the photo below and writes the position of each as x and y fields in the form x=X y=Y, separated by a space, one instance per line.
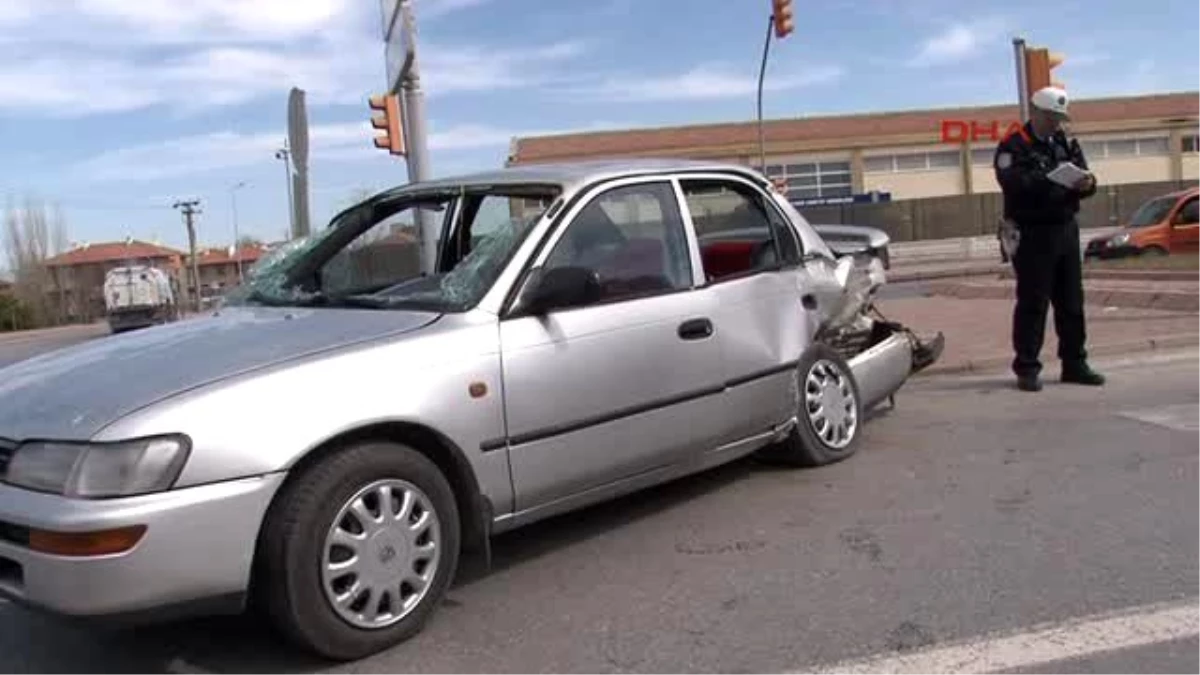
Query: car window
x=1188 y=215
x=633 y=238
x=369 y=255
x=378 y=257
x=739 y=232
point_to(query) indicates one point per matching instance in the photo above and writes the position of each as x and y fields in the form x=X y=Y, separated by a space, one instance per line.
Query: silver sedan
x=347 y=427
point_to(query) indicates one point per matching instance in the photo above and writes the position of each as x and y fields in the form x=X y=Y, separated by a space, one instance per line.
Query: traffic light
x=392 y=138
x=785 y=20
x=1038 y=64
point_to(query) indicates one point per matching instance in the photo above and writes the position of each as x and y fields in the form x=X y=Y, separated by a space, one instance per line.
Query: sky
x=116 y=109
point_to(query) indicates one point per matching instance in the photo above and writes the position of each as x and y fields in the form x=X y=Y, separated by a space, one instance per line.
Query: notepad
x=1066 y=174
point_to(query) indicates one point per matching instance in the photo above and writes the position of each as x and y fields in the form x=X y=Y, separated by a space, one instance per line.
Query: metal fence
x=975 y=215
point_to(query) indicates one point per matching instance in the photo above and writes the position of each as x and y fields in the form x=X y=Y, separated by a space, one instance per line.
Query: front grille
x=6 y=453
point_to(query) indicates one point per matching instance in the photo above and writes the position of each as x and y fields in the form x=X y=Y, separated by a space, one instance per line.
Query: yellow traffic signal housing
x=1054 y=60
x=784 y=17
x=1038 y=64
x=390 y=122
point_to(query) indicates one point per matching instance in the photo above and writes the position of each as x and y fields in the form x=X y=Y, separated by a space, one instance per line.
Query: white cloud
x=124 y=55
x=705 y=82
x=334 y=142
x=960 y=41
x=433 y=9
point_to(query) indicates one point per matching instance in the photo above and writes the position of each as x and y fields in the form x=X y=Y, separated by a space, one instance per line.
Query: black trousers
x=1049 y=272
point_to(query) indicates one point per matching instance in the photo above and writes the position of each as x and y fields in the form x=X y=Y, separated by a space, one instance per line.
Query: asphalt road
x=971 y=510
x=18 y=347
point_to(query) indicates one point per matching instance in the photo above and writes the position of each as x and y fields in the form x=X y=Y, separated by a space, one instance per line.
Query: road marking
x=1042 y=644
x=1180 y=417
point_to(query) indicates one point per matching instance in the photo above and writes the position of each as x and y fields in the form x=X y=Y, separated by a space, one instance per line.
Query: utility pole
x=284 y=154
x=189 y=209
x=237 y=243
x=409 y=83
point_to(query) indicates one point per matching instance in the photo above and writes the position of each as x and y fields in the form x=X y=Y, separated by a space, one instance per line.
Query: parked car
x=859 y=241
x=1161 y=226
x=338 y=436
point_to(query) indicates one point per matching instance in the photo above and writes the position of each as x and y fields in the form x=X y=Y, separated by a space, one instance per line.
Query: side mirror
x=558 y=288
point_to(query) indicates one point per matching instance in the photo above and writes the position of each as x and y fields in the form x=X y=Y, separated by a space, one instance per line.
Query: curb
x=896 y=276
x=1134 y=275
x=1171 y=301
x=1143 y=345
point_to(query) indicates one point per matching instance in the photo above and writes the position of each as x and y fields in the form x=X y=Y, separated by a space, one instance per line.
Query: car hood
x=75 y=392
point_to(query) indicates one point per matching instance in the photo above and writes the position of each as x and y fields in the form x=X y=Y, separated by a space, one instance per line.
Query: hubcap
x=830 y=405
x=380 y=554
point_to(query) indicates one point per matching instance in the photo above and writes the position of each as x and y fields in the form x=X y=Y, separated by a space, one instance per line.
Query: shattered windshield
x=369 y=257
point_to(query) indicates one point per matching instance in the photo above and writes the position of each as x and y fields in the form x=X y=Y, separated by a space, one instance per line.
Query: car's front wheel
x=828 y=410
x=359 y=550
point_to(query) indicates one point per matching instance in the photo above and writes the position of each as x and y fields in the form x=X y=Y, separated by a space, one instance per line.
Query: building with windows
x=222 y=268
x=908 y=154
x=76 y=291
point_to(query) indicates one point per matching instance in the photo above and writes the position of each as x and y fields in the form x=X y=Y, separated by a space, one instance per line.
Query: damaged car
x=350 y=429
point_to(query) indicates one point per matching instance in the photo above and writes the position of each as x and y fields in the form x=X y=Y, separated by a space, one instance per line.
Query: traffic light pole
x=1022 y=81
x=415 y=135
x=762 y=73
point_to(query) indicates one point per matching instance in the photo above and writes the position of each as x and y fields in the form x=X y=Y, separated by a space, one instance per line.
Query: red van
x=1161 y=226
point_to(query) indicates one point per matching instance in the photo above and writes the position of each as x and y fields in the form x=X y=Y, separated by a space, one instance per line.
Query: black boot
x=1082 y=374
x=1029 y=382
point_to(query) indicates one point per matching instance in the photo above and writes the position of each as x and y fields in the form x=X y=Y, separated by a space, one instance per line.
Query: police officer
x=1047 y=260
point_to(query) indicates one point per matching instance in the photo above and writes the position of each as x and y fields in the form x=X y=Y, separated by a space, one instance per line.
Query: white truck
x=138 y=296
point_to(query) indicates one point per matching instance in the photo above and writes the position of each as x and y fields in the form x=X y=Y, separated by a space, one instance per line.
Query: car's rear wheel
x=359 y=550
x=828 y=412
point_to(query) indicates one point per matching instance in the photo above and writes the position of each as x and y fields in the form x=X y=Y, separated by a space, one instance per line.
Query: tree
x=32 y=235
x=14 y=314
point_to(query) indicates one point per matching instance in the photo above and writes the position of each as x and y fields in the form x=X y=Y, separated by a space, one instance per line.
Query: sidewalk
x=1166 y=294
x=978 y=330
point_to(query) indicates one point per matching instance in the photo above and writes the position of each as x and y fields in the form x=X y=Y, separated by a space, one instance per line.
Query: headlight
x=1119 y=239
x=99 y=469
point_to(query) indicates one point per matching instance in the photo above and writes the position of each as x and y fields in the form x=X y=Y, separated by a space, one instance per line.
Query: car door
x=751 y=259
x=623 y=385
x=1185 y=228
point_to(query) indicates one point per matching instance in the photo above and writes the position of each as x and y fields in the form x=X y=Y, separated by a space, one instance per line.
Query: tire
x=1154 y=252
x=296 y=542
x=806 y=445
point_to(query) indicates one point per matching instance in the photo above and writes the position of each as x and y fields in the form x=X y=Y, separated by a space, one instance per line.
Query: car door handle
x=695 y=329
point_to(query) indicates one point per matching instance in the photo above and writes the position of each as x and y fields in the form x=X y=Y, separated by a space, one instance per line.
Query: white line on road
x=1044 y=644
x=1180 y=417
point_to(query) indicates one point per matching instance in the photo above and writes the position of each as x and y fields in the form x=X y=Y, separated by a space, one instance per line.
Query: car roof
x=1179 y=194
x=575 y=173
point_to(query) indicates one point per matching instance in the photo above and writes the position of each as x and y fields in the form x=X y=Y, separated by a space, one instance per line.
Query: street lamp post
x=237 y=239
x=284 y=154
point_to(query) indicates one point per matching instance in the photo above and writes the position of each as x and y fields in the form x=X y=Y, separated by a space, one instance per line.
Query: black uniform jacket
x=1032 y=200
